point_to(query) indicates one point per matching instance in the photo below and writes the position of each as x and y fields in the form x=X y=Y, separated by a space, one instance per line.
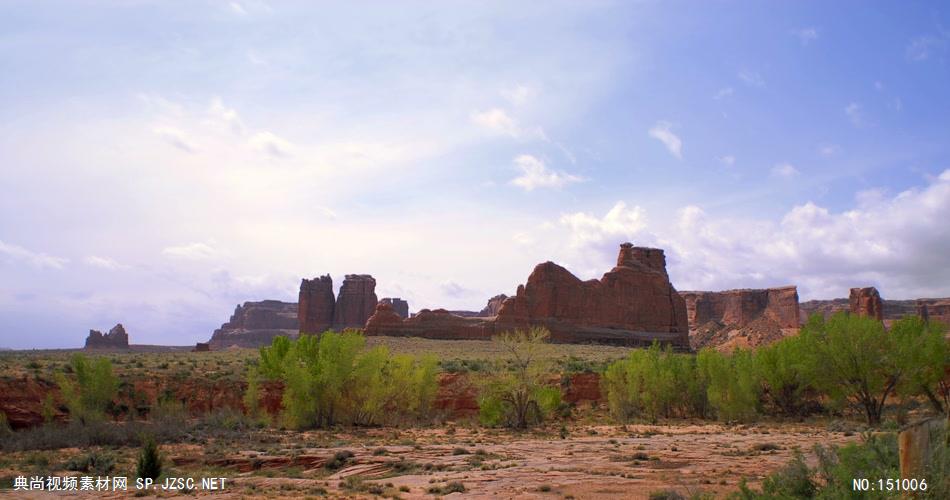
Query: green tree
x=92 y=389
x=150 y=461
x=787 y=367
x=333 y=379
x=927 y=360
x=518 y=396
x=732 y=383
x=857 y=360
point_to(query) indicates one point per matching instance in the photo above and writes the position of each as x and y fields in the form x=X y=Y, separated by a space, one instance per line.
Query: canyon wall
x=741 y=318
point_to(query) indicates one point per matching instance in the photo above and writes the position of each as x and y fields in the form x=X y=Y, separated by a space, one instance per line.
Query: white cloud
x=535 y=174
x=828 y=149
x=191 y=251
x=806 y=35
x=104 y=263
x=270 y=144
x=661 y=132
x=38 y=260
x=923 y=47
x=751 y=78
x=723 y=93
x=175 y=137
x=619 y=223
x=855 y=113
x=237 y=9
x=728 y=160
x=786 y=170
x=518 y=95
x=897 y=243
x=497 y=120
x=226 y=115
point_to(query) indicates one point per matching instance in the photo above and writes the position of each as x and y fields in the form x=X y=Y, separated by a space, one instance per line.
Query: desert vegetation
x=844 y=360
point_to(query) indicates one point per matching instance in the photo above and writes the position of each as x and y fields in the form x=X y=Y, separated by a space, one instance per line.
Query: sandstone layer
x=356 y=302
x=117 y=338
x=315 y=304
x=254 y=324
x=632 y=304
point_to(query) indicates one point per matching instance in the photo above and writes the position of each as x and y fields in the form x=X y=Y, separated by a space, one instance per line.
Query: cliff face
x=356 y=302
x=117 y=338
x=633 y=304
x=934 y=310
x=401 y=307
x=255 y=324
x=866 y=302
x=315 y=304
x=741 y=318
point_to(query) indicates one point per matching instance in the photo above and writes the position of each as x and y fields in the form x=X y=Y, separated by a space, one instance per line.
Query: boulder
x=315 y=306
x=356 y=302
x=400 y=306
x=866 y=302
x=117 y=338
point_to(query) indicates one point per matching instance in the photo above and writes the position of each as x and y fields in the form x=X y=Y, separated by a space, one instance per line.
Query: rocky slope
x=741 y=318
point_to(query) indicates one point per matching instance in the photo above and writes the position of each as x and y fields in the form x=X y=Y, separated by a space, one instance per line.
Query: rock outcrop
x=400 y=306
x=741 y=318
x=632 y=304
x=356 y=302
x=254 y=324
x=934 y=310
x=202 y=347
x=866 y=302
x=117 y=338
x=315 y=304
x=493 y=306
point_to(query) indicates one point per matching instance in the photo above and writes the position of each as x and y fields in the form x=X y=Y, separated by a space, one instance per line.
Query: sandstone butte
x=866 y=302
x=741 y=318
x=117 y=338
x=400 y=306
x=632 y=304
x=254 y=324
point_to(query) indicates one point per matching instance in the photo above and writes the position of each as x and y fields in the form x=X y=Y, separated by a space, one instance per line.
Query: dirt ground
x=598 y=461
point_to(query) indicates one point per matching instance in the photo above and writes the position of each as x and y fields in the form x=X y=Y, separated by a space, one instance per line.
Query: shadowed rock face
x=934 y=310
x=400 y=306
x=633 y=304
x=117 y=338
x=315 y=304
x=866 y=302
x=493 y=306
x=356 y=302
x=256 y=323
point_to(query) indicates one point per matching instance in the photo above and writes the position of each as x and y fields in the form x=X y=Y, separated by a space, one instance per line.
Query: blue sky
x=164 y=161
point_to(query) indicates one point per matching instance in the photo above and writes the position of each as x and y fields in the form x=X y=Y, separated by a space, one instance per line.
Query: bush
x=100 y=464
x=150 y=462
x=732 y=383
x=787 y=367
x=654 y=383
x=93 y=389
x=331 y=379
x=518 y=397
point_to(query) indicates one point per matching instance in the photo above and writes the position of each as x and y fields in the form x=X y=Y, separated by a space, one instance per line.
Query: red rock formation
x=115 y=339
x=400 y=306
x=934 y=310
x=583 y=387
x=255 y=324
x=21 y=400
x=741 y=318
x=356 y=302
x=316 y=305
x=633 y=304
x=202 y=347
x=866 y=302
x=493 y=306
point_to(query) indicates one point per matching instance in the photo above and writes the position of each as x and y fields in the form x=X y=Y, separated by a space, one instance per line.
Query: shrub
x=656 y=383
x=101 y=464
x=787 y=367
x=518 y=397
x=732 y=384
x=94 y=387
x=150 y=462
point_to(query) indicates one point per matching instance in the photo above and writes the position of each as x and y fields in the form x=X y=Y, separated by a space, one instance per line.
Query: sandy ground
x=591 y=462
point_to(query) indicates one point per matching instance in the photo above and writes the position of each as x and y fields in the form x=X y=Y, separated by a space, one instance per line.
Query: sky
x=161 y=162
